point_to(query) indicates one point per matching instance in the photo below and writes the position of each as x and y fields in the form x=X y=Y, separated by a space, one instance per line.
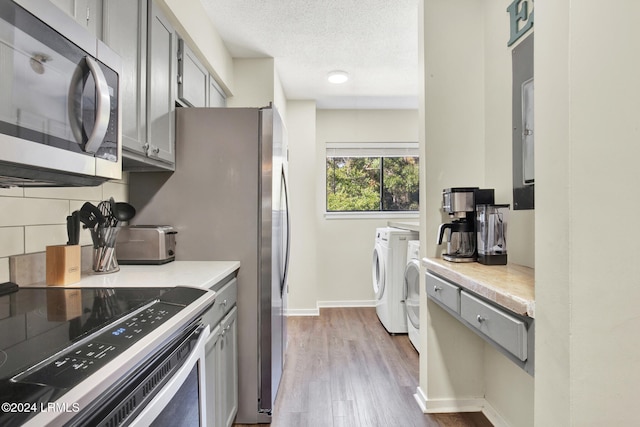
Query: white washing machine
x=389 y=261
x=412 y=292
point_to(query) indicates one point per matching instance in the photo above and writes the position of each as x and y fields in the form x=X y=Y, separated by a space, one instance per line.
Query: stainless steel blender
x=460 y=204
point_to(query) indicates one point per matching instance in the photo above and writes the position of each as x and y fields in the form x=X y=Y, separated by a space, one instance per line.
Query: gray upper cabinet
x=87 y=12
x=161 y=95
x=215 y=94
x=125 y=31
x=193 y=78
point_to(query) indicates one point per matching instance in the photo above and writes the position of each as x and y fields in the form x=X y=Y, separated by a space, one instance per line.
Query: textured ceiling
x=375 y=41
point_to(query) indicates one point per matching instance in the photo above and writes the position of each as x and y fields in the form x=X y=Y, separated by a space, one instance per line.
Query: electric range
x=64 y=352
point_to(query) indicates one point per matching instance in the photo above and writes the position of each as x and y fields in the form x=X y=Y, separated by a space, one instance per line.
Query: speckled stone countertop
x=510 y=286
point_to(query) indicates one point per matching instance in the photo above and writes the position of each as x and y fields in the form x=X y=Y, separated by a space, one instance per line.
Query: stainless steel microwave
x=59 y=100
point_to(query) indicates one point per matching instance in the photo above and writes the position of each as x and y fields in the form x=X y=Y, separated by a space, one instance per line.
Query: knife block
x=63 y=264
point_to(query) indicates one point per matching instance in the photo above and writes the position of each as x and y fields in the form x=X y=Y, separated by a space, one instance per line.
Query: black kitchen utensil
x=90 y=215
x=105 y=210
x=124 y=211
x=73 y=228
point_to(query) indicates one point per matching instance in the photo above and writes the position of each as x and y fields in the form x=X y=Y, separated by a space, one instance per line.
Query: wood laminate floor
x=343 y=369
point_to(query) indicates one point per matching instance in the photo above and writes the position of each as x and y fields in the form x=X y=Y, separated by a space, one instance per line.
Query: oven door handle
x=102 y=108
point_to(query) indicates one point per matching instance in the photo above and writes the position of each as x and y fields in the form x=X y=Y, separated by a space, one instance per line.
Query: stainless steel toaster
x=146 y=244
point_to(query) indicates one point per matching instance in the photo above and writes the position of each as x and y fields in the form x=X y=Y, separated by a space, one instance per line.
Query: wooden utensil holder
x=63 y=264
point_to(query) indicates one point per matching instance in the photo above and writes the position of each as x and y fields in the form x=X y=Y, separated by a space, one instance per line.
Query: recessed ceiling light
x=337 y=77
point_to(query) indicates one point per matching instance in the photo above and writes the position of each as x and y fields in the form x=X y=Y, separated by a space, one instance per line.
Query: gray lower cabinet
x=444 y=292
x=228 y=370
x=221 y=357
x=511 y=334
x=125 y=31
x=503 y=328
x=161 y=88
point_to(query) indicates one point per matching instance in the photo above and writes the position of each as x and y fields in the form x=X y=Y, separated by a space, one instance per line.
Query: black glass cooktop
x=51 y=339
x=36 y=323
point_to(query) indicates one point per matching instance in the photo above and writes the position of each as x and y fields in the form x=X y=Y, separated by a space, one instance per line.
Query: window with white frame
x=372 y=177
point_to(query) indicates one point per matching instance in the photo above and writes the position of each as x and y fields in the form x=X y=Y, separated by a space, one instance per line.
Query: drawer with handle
x=226 y=299
x=506 y=330
x=443 y=292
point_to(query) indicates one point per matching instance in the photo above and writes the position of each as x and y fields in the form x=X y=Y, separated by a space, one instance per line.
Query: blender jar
x=491 y=229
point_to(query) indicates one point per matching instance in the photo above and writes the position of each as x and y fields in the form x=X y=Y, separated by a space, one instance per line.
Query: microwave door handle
x=103 y=108
x=103 y=105
x=75 y=94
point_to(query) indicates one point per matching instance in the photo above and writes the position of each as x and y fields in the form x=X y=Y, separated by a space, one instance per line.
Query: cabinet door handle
x=481 y=319
x=437 y=288
x=224 y=303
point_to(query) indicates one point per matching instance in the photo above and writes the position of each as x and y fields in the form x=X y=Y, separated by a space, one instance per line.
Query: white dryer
x=412 y=292
x=389 y=261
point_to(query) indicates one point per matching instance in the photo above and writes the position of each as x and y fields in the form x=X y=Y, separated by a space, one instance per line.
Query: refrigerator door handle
x=288 y=231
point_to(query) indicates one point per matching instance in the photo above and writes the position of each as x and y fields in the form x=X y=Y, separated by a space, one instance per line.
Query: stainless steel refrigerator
x=228 y=201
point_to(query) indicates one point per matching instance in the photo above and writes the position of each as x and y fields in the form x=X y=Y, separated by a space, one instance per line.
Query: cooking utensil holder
x=104 y=249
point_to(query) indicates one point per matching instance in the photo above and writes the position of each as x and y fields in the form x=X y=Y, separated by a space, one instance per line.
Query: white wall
x=451 y=368
x=467 y=142
x=303 y=174
x=331 y=258
x=345 y=246
x=587 y=116
x=257 y=85
x=587 y=128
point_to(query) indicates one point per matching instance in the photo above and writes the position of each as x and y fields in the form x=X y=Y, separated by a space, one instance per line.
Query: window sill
x=371 y=215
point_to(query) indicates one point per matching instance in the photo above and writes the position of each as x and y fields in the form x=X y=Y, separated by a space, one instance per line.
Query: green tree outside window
x=372 y=184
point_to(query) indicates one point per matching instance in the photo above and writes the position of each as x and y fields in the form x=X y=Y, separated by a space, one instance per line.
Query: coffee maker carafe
x=460 y=204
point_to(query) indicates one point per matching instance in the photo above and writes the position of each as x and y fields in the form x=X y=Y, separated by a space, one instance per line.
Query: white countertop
x=198 y=274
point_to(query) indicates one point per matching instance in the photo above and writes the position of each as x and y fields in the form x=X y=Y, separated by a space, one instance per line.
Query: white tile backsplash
x=38 y=237
x=116 y=189
x=4 y=270
x=12 y=241
x=24 y=211
x=33 y=218
x=66 y=193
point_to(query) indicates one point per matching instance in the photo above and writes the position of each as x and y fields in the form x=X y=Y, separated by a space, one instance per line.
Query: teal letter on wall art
x=519 y=12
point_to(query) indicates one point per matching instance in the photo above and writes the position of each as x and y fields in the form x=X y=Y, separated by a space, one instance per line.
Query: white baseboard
x=350 y=303
x=433 y=406
x=302 y=312
x=328 y=304
x=493 y=416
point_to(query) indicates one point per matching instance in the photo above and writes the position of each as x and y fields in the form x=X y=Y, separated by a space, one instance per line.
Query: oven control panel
x=76 y=363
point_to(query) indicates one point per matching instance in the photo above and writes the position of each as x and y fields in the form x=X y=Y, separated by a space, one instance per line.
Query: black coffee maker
x=460 y=204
